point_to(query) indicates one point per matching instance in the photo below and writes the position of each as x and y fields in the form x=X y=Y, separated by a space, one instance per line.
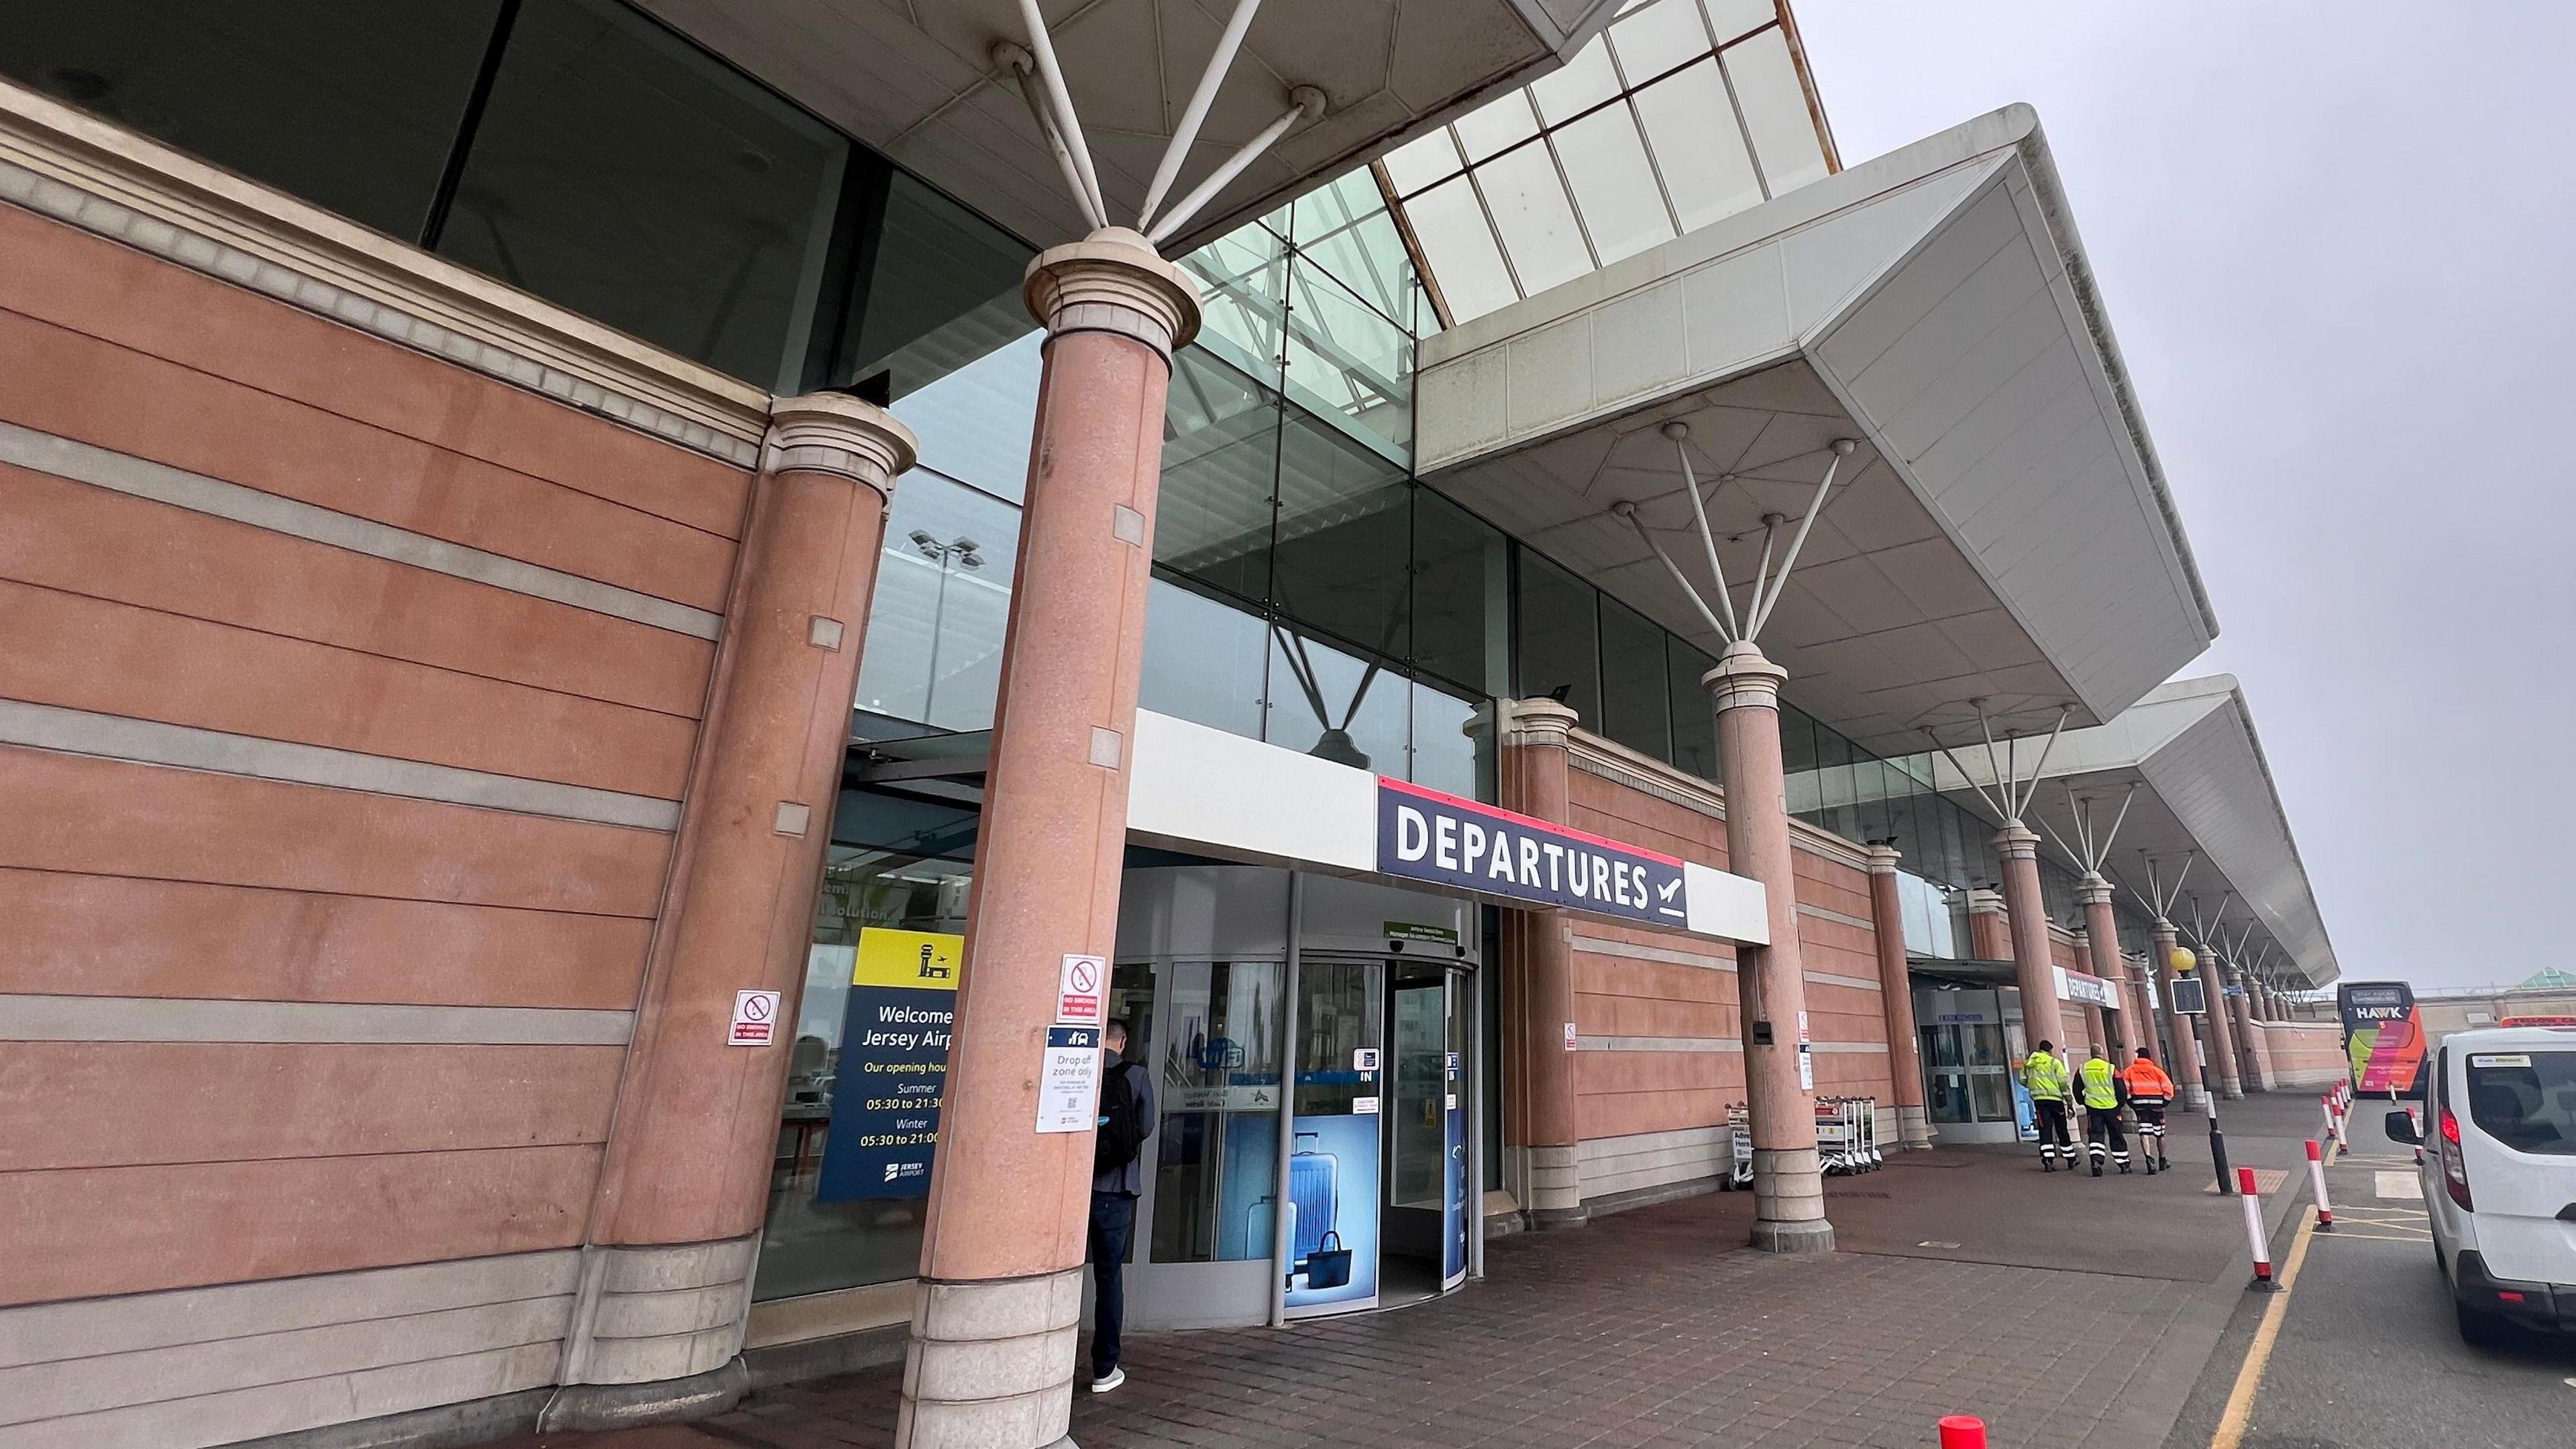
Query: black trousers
x=2102 y=1133
x=2151 y=1125
x=1113 y=1227
x=2053 y=1141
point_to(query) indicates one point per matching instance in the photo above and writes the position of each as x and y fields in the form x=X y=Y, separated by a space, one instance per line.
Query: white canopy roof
x=2003 y=533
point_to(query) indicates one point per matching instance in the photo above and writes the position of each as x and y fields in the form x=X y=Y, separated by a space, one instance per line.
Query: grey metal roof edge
x=2042 y=167
x=2245 y=721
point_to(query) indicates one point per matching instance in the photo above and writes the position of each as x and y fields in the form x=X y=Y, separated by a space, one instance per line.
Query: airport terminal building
x=630 y=622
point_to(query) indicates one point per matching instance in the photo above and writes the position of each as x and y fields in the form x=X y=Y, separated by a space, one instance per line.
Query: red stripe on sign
x=1531 y=822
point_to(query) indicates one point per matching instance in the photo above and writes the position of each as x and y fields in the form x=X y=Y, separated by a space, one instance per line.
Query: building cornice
x=63 y=163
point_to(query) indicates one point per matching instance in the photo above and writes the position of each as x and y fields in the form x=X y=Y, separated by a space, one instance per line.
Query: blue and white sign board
x=1196 y=787
x=1425 y=835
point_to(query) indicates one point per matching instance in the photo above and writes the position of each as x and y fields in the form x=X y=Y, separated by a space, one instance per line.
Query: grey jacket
x=1131 y=1178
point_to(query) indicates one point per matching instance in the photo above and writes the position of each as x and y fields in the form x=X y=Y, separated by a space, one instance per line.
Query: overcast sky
x=2338 y=243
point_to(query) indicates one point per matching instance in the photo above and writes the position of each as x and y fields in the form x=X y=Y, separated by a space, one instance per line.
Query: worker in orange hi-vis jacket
x=2150 y=1091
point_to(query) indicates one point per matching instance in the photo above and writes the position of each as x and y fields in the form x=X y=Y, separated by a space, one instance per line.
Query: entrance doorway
x=1316 y=1102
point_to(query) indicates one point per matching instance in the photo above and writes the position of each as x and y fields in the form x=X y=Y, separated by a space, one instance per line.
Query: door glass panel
x=1416 y=1113
x=1216 y=1074
x=1337 y=1017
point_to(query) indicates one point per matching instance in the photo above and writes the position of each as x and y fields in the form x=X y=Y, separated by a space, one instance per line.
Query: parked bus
x=2383 y=1037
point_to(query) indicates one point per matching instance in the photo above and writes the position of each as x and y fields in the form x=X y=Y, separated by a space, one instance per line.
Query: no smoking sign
x=1083 y=992
x=755 y=1019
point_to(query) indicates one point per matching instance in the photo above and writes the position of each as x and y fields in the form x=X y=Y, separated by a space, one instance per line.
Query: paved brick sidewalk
x=1647 y=1328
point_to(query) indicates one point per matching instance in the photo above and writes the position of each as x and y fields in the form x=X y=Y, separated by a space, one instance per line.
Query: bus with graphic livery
x=2383 y=1037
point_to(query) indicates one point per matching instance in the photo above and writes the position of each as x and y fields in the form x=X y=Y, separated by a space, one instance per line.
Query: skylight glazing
x=1681 y=112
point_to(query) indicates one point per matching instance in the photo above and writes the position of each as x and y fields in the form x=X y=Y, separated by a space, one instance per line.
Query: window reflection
x=935 y=289
x=1461 y=595
x=1634 y=693
x=1217 y=1081
x=1558 y=642
x=712 y=249
x=1344 y=539
x=1694 y=716
x=943 y=600
x=350 y=107
x=1336 y=706
x=1204 y=660
x=1212 y=522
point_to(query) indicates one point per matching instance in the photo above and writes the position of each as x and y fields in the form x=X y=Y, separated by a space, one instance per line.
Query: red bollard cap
x=1963 y=1431
x=2312 y=1149
x=2245 y=1181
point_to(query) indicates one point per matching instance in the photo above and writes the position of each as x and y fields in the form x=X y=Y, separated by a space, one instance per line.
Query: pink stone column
x=2102 y=935
x=684 y=1181
x=2225 y=1074
x=2101 y=1024
x=994 y=1326
x=2185 y=1066
x=1540 y=1023
x=2256 y=1064
x=1896 y=998
x=2018 y=846
x=1989 y=937
x=1770 y=981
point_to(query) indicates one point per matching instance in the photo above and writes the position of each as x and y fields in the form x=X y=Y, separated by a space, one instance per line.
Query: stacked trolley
x=1846 y=1138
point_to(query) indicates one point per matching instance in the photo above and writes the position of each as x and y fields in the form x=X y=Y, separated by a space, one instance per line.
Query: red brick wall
x=172 y=893
x=1628 y=989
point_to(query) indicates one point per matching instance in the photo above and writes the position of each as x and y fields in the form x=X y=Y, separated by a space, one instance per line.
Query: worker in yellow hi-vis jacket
x=2104 y=1094
x=2050 y=1091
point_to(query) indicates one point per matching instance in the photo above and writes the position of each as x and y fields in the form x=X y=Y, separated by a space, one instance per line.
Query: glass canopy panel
x=1459 y=247
x=1496 y=126
x=1345 y=357
x=1659 y=36
x=1775 y=112
x=1614 y=184
x=1536 y=220
x=1419 y=162
x=1584 y=82
x=1732 y=20
x=1243 y=299
x=1691 y=127
x=1345 y=229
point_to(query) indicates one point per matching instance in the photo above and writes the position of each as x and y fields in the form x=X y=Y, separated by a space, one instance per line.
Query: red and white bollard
x=2317 y=1177
x=2246 y=1193
x=1960 y=1431
x=2326 y=1133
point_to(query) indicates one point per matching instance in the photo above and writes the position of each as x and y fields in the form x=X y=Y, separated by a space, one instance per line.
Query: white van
x=2499 y=1176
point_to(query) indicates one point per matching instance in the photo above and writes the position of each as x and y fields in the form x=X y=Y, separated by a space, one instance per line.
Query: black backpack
x=1122 y=1128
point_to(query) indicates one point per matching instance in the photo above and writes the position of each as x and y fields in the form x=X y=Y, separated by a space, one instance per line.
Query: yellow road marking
x=2240 y=1399
x=2344 y=1237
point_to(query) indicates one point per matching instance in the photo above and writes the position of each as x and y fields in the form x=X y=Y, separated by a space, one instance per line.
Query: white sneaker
x=1113 y=1379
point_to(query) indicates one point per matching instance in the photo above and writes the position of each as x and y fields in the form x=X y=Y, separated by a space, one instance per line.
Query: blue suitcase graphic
x=1314 y=1196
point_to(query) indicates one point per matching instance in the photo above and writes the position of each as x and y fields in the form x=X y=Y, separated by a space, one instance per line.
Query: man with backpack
x=1117 y=1176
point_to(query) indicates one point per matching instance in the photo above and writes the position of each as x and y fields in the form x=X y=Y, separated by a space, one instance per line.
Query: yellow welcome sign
x=920 y=960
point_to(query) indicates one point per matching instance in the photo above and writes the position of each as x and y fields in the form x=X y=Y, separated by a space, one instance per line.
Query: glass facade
x=1681 y=112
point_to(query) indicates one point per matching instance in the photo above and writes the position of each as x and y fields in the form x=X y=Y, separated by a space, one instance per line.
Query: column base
x=1789 y=1201
x=1914 y=1129
x=1813 y=1236
x=1556 y=1188
x=991 y=1363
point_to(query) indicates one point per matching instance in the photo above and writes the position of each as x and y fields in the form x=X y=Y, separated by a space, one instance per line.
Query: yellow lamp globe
x=2182 y=959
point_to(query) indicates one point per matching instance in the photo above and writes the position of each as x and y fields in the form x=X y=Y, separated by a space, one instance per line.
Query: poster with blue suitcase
x=1332 y=1207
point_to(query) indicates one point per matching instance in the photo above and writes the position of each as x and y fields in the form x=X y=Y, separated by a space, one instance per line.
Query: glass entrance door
x=1211 y=1037
x=1426 y=1144
x=1332 y=1237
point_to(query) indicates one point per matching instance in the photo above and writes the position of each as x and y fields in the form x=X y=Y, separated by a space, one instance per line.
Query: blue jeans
x=1113 y=1227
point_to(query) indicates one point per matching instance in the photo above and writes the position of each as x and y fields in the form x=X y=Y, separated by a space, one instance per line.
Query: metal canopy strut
x=1767 y=584
x=1050 y=102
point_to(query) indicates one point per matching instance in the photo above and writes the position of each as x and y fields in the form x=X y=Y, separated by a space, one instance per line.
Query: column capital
x=1543 y=723
x=2017 y=841
x=1983 y=902
x=2093 y=890
x=1883 y=859
x=831 y=432
x=1745 y=678
x=1113 y=281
